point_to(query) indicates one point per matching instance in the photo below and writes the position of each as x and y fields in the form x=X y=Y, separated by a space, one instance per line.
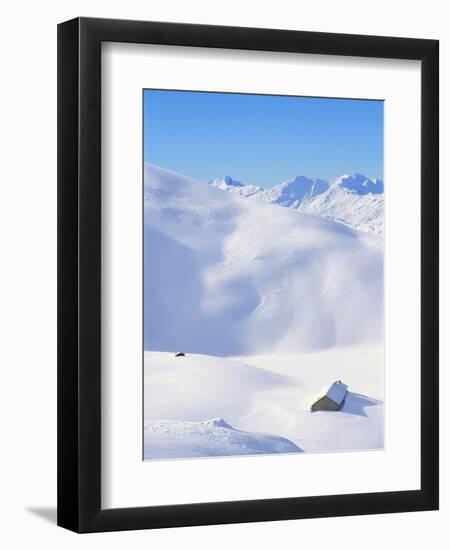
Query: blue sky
x=262 y=139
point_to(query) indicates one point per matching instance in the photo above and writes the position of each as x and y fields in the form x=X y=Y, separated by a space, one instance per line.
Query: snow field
x=269 y=304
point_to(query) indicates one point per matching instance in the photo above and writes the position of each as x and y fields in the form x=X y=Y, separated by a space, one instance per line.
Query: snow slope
x=254 y=396
x=182 y=439
x=356 y=201
x=227 y=276
x=195 y=388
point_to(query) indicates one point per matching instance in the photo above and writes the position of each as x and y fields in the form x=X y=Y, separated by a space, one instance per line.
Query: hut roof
x=335 y=391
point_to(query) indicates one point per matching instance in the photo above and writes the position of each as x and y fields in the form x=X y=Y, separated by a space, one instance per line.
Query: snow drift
x=253 y=397
x=230 y=276
x=181 y=439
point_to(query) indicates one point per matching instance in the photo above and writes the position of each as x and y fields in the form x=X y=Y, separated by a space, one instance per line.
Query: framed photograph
x=247 y=275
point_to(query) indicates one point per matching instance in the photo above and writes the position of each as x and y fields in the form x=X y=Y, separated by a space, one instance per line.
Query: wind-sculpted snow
x=201 y=405
x=182 y=439
x=228 y=276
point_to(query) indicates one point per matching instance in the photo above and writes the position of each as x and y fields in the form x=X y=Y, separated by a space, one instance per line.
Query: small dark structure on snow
x=180 y=354
x=331 y=398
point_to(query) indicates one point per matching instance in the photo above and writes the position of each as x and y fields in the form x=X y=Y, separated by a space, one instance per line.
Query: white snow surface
x=181 y=439
x=255 y=397
x=356 y=201
x=227 y=276
x=293 y=192
x=269 y=304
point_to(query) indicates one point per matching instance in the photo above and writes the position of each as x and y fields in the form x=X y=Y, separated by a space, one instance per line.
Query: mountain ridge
x=351 y=199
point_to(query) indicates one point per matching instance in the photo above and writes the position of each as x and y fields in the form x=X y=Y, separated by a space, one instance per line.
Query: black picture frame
x=79 y=274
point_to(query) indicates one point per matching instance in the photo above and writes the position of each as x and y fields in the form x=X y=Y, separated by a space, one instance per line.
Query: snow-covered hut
x=330 y=398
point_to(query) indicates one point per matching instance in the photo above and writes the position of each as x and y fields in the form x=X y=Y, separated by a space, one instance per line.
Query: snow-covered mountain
x=226 y=182
x=293 y=192
x=229 y=276
x=359 y=184
x=234 y=186
x=352 y=200
x=356 y=201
